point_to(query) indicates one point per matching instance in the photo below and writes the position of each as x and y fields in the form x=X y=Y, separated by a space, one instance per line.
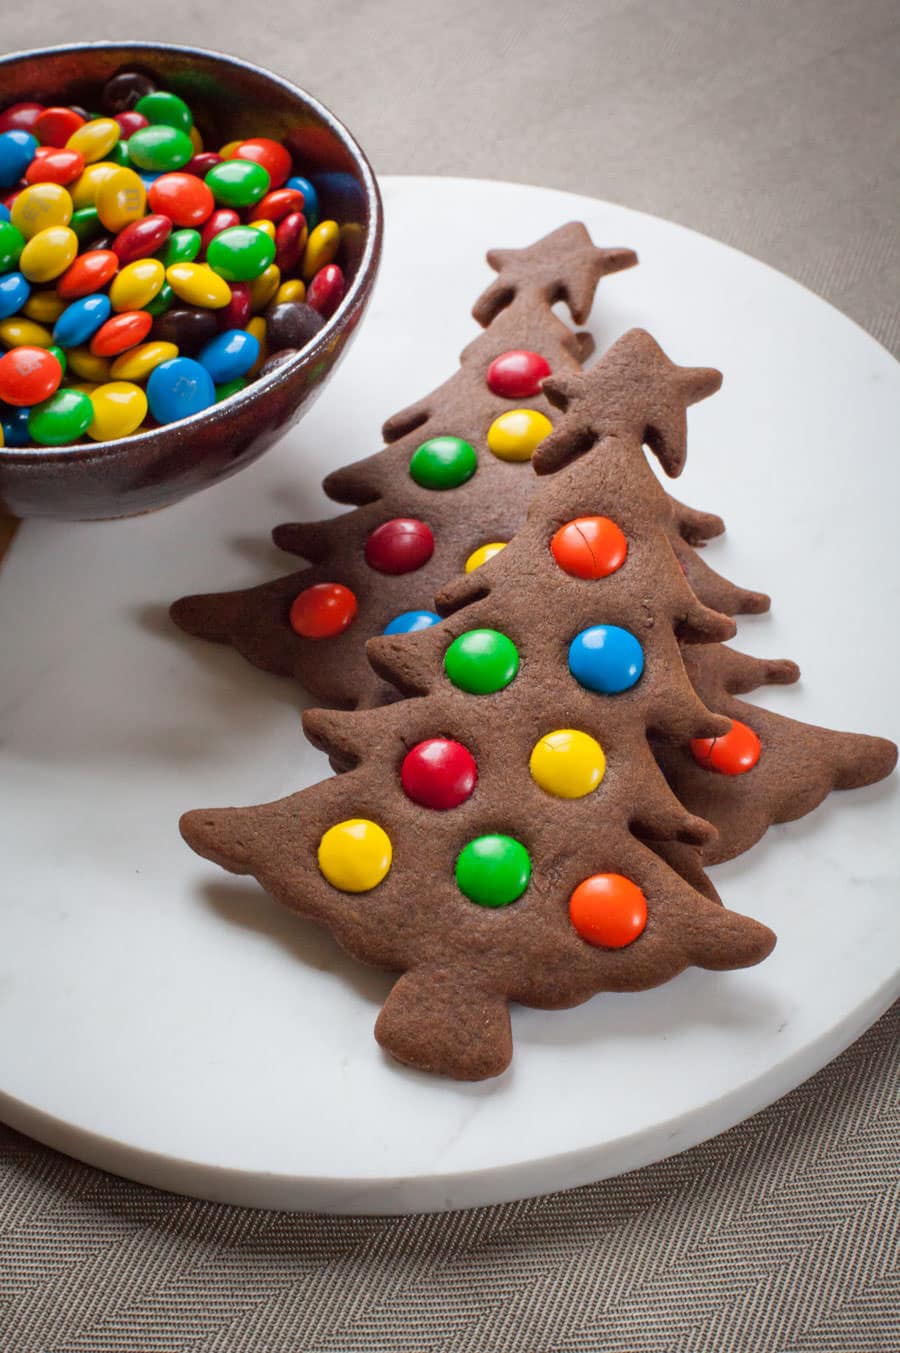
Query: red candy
x=90 y=272
x=517 y=374
x=54 y=166
x=185 y=199
x=270 y=154
x=608 y=910
x=236 y=313
x=275 y=206
x=589 y=547
x=20 y=117
x=438 y=773
x=28 y=375
x=326 y=291
x=54 y=126
x=323 y=611
x=121 y=332
x=130 y=122
x=140 y=239
x=201 y=163
x=736 y=752
x=222 y=219
x=290 y=241
x=400 y=545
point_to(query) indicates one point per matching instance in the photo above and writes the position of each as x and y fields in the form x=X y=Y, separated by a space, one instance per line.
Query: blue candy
x=81 y=320
x=310 y=199
x=178 y=388
x=4 y=212
x=229 y=355
x=606 y=658
x=410 y=622
x=15 y=425
x=16 y=153
x=14 y=292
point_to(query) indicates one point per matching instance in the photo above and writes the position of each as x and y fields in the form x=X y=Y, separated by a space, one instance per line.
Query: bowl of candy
x=187 y=244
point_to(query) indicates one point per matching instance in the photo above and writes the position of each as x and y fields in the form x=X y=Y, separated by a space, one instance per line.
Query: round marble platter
x=168 y=1022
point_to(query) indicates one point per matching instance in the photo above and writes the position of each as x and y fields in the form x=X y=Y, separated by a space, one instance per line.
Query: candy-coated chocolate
x=276 y=205
x=28 y=375
x=85 y=189
x=293 y=289
x=81 y=319
x=273 y=157
x=443 y=462
x=95 y=139
x=196 y=141
x=160 y=149
x=238 y=183
x=290 y=241
x=15 y=425
x=125 y=90
x=355 y=855
x=267 y=227
x=54 y=126
x=567 y=763
x=137 y=363
x=89 y=272
x=326 y=290
x=14 y=293
x=62 y=418
x=202 y=163
x=514 y=435
x=310 y=206
x=230 y=388
x=162 y=301
x=221 y=219
x=236 y=314
x=264 y=287
x=88 y=366
x=162 y=108
x=229 y=355
x=734 y=753
x=12 y=242
x=481 y=661
x=589 y=547
x=291 y=324
x=226 y=152
x=188 y=327
x=240 y=253
x=142 y=238
x=17 y=150
x=39 y=206
x=54 y=166
x=483 y=554
x=323 y=611
x=18 y=331
x=182 y=246
x=179 y=388
x=321 y=248
x=119 y=409
x=438 y=773
x=121 y=332
x=606 y=659
x=517 y=374
x=258 y=328
x=135 y=285
x=48 y=253
x=493 y=870
x=410 y=622
x=60 y=356
x=86 y=224
x=399 y=546
x=119 y=155
x=130 y=122
x=121 y=198
x=198 y=285
x=20 y=116
x=185 y=199
x=608 y=910
x=45 y=307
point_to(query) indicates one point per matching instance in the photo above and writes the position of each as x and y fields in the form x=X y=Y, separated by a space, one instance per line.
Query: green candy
x=493 y=870
x=161 y=301
x=12 y=242
x=230 y=388
x=86 y=224
x=162 y=109
x=240 y=253
x=235 y=183
x=481 y=661
x=119 y=154
x=59 y=355
x=60 y=419
x=443 y=463
x=160 y=148
x=182 y=246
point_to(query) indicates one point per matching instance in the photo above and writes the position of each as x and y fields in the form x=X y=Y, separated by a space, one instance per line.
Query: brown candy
x=188 y=327
x=291 y=324
x=124 y=90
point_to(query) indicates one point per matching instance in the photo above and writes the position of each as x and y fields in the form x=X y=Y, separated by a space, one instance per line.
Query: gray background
x=773 y=126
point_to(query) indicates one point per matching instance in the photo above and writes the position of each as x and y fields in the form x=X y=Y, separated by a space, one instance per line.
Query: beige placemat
x=772 y=126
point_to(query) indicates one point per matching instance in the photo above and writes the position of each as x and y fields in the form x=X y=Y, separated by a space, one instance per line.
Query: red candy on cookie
x=400 y=545
x=517 y=374
x=323 y=611
x=608 y=910
x=438 y=773
x=736 y=752
x=589 y=547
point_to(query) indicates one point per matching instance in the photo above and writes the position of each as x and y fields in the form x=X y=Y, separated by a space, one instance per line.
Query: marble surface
x=181 y=1029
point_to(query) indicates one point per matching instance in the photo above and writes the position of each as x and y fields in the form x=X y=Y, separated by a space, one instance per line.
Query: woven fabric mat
x=773 y=127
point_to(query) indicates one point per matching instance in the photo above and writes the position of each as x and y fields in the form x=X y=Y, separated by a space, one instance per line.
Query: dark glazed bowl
x=155 y=468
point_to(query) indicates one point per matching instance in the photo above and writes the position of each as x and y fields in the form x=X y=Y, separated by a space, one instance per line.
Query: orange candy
x=733 y=754
x=90 y=272
x=121 y=332
x=589 y=547
x=323 y=611
x=608 y=910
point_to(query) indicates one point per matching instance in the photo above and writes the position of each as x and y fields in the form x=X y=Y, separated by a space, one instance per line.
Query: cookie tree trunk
x=483 y=840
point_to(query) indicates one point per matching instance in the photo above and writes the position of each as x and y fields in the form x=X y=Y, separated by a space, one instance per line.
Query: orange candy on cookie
x=733 y=754
x=608 y=910
x=589 y=547
x=323 y=611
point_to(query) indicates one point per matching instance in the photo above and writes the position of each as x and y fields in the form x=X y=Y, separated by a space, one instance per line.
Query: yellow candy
x=41 y=205
x=227 y=151
x=264 y=287
x=321 y=248
x=44 y=306
x=196 y=140
x=137 y=363
x=90 y=368
x=567 y=763
x=121 y=199
x=48 y=253
x=355 y=855
x=119 y=410
x=85 y=387
x=95 y=139
x=135 y=285
x=16 y=332
x=197 y=284
x=516 y=433
x=257 y=327
x=2 y=438
x=291 y=290
x=267 y=228
x=483 y=554
x=84 y=190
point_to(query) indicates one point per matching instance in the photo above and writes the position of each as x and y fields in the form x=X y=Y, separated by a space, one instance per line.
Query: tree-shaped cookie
x=486 y=838
x=452 y=483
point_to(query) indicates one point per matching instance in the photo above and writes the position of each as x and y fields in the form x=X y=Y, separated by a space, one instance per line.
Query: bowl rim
x=88 y=451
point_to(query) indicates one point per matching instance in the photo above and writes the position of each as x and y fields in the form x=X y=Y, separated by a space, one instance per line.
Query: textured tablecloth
x=774 y=127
